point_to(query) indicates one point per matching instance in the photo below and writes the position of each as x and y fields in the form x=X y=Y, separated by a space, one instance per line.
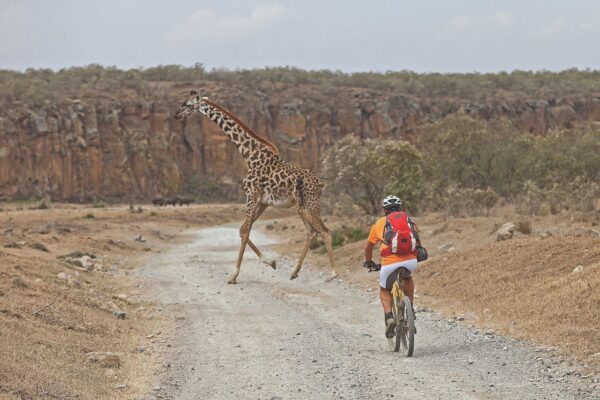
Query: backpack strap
x=387 y=230
x=415 y=231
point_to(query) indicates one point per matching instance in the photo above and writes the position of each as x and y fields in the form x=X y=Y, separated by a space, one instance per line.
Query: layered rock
x=118 y=146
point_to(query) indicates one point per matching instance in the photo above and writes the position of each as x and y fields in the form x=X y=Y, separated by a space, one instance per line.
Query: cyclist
x=392 y=263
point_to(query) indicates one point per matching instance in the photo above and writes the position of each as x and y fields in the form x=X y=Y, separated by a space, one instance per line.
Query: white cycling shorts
x=387 y=274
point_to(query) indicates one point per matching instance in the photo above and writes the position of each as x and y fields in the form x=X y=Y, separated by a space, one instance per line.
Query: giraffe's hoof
x=232 y=281
x=294 y=276
x=332 y=277
x=272 y=263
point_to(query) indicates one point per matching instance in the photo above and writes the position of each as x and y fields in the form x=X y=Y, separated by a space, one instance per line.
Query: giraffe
x=270 y=182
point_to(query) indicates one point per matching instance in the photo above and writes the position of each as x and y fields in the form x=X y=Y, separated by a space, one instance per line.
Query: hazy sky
x=366 y=35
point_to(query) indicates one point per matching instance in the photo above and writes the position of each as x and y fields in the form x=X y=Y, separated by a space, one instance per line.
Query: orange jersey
x=376 y=236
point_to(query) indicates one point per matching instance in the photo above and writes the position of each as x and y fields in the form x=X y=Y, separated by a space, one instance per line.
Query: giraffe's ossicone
x=271 y=181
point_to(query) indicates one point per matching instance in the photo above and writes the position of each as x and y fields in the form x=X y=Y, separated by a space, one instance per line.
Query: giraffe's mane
x=261 y=139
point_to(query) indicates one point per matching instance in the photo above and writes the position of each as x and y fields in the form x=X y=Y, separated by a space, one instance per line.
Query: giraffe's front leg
x=244 y=238
x=244 y=233
x=272 y=263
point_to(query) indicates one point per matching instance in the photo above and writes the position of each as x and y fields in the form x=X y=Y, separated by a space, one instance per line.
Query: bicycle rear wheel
x=405 y=329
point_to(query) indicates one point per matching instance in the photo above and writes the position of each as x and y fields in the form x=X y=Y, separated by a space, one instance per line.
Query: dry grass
x=49 y=325
x=525 y=287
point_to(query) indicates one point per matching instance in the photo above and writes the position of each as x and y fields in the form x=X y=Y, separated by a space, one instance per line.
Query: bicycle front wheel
x=395 y=342
x=405 y=329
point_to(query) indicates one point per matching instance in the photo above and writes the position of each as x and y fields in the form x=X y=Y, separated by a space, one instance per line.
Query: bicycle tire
x=397 y=310
x=407 y=332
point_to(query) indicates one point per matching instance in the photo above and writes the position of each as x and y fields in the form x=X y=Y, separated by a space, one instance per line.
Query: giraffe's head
x=190 y=105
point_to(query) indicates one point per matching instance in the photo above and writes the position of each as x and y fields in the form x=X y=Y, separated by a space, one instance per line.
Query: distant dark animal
x=171 y=200
x=158 y=201
x=185 y=200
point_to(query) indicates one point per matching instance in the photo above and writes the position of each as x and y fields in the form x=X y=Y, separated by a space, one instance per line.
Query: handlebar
x=370 y=267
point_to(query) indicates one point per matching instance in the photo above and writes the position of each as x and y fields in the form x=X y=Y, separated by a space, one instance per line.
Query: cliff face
x=119 y=146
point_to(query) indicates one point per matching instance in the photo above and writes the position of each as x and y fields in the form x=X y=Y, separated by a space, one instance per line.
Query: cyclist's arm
x=372 y=240
x=369 y=251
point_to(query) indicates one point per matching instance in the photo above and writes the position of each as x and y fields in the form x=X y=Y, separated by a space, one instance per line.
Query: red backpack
x=399 y=235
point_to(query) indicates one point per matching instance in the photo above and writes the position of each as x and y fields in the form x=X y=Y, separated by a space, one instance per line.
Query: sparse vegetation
x=340 y=237
x=44 y=84
x=464 y=166
x=471 y=162
x=98 y=204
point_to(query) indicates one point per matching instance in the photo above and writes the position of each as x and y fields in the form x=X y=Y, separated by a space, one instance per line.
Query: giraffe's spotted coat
x=271 y=181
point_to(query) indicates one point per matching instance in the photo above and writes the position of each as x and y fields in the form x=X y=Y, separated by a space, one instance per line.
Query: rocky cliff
x=120 y=145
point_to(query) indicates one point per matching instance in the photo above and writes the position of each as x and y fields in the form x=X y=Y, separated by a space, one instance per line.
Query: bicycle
x=404 y=335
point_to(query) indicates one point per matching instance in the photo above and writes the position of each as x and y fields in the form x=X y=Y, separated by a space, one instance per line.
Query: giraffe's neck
x=249 y=144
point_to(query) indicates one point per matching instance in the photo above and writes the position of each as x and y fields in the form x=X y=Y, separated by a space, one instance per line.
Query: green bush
x=340 y=237
x=470 y=163
x=337 y=239
x=355 y=234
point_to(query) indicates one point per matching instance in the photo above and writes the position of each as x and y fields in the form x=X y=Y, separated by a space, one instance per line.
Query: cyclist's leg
x=386 y=275
x=408 y=285
x=386 y=299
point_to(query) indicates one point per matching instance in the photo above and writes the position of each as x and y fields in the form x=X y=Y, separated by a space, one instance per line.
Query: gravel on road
x=272 y=338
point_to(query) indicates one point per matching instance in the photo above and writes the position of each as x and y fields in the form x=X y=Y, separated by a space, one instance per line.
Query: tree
x=368 y=171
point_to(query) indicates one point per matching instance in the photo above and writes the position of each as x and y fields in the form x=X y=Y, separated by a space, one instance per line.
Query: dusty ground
x=183 y=322
x=50 y=327
x=524 y=287
x=272 y=338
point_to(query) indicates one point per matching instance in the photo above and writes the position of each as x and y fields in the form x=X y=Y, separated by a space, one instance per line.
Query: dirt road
x=272 y=338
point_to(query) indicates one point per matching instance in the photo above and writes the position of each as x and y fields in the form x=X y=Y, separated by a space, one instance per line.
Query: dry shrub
x=464 y=202
x=524 y=226
x=579 y=195
x=19 y=283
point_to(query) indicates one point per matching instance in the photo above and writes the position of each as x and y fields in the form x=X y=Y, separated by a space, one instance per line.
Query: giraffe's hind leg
x=315 y=226
x=326 y=235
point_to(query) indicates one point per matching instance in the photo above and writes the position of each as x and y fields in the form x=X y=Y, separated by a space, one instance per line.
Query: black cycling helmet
x=391 y=203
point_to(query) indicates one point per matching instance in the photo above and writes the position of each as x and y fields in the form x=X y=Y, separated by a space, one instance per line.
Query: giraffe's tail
x=300 y=191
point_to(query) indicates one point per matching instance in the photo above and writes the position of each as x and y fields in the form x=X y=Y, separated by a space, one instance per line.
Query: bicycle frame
x=405 y=327
x=399 y=304
x=397 y=291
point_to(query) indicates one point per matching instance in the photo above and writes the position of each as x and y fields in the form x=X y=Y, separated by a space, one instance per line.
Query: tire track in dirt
x=272 y=338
